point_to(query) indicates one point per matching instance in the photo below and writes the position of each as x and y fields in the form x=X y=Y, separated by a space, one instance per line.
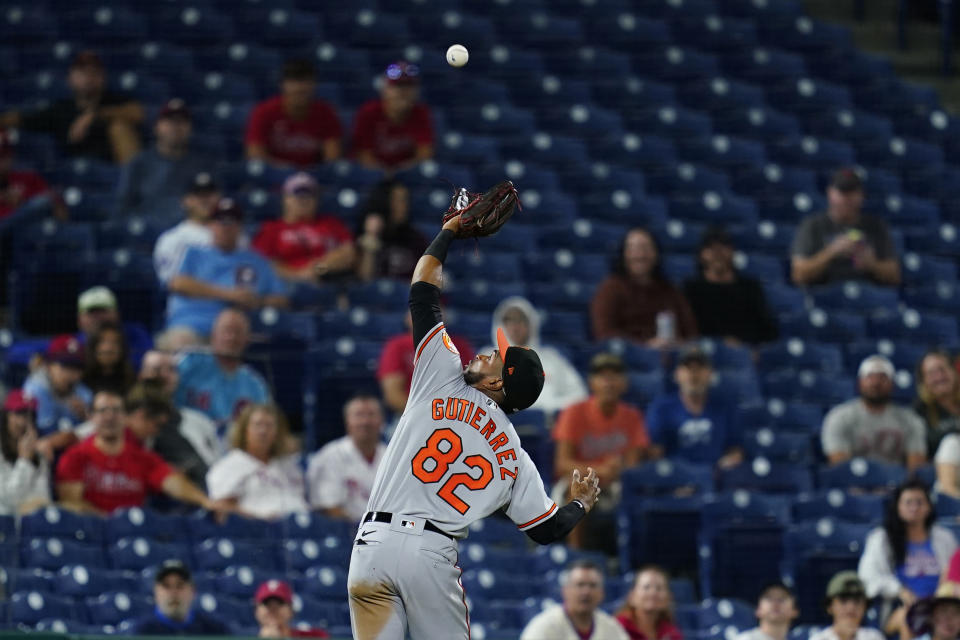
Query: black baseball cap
x=847 y=179
x=523 y=375
x=170 y=567
x=174 y=108
x=227 y=209
x=715 y=235
x=775 y=586
x=606 y=361
x=203 y=182
x=694 y=355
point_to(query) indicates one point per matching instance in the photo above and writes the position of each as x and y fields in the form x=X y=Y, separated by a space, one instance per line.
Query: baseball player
x=455 y=458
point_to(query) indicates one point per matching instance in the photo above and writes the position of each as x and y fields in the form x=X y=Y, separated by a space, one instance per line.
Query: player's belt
x=383 y=516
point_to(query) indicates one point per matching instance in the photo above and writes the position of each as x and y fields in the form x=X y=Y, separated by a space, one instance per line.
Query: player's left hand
x=453 y=224
x=586 y=490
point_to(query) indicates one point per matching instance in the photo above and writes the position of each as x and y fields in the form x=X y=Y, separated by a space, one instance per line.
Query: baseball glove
x=482 y=214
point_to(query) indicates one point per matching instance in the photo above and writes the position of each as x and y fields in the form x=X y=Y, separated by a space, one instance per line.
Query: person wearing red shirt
x=19 y=187
x=300 y=245
x=646 y=613
x=395 y=370
x=394 y=132
x=294 y=129
x=274 y=613
x=111 y=470
x=602 y=432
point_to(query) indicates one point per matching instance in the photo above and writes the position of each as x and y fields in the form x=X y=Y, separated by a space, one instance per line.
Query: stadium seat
x=666 y=477
x=141 y=553
x=13 y=580
x=778 y=446
x=809 y=386
x=238 y=581
x=303 y=554
x=761 y=475
x=855 y=295
x=137 y=522
x=235 y=613
x=861 y=473
x=674 y=64
x=499 y=531
x=53 y=553
x=839 y=505
x=115 y=607
x=315 y=526
x=79 y=581
x=812 y=152
x=802 y=354
x=29 y=607
x=915 y=327
x=218 y=553
x=485 y=585
x=658 y=529
x=723 y=614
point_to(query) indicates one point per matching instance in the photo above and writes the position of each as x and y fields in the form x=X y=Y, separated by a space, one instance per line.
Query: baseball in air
x=457 y=55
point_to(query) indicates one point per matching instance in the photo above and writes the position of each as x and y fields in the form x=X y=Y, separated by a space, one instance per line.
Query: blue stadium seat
x=323 y=582
x=303 y=554
x=79 y=581
x=629 y=32
x=805 y=35
x=542 y=148
x=541 y=30
x=476 y=556
x=193 y=25
x=587 y=235
x=778 y=446
x=716 y=208
x=218 y=553
x=491 y=118
x=644 y=92
x=725 y=614
x=115 y=607
x=849 y=125
x=500 y=531
x=782 y=298
x=784 y=414
x=13 y=580
x=941 y=241
x=680 y=267
x=53 y=553
x=724 y=151
x=861 y=473
x=855 y=295
x=666 y=477
x=485 y=585
x=912 y=326
x=942 y=297
x=689 y=177
x=29 y=607
x=902 y=354
x=674 y=64
x=839 y=505
x=669 y=120
x=764 y=65
x=900 y=154
x=441 y=27
x=281 y=27
x=809 y=386
x=27 y=24
x=137 y=522
x=829 y=327
x=239 y=581
x=235 y=613
x=658 y=529
x=316 y=526
x=631 y=149
x=813 y=152
x=756 y=122
x=904 y=212
x=714 y=33
x=140 y=553
x=799 y=353
x=571 y=295
x=760 y=474
x=721 y=94
x=919 y=269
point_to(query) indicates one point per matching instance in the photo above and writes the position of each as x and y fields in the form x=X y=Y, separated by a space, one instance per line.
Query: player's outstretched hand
x=586 y=490
x=453 y=224
x=481 y=214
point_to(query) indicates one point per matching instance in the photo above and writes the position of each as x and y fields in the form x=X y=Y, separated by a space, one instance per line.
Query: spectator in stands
x=218 y=383
x=521 y=322
x=156 y=178
x=107 y=360
x=846 y=604
x=261 y=475
x=725 y=303
x=938 y=397
x=340 y=475
x=110 y=470
x=871 y=426
x=93 y=121
x=274 y=613
x=300 y=245
x=776 y=611
x=193 y=231
x=902 y=560
x=695 y=424
x=844 y=243
x=19 y=187
x=579 y=616
x=936 y=618
x=294 y=129
x=96 y=307
x=174 y=615
x=212 y=278
x=24 y=472
x=62 y=399
x=647 y=611
x=394 y=132
x=389 y=245
x=395 y=370
x=160 y=369
x=637 y=301
x=602 y=432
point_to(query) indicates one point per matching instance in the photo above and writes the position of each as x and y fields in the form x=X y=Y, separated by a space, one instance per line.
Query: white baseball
x=457 y=55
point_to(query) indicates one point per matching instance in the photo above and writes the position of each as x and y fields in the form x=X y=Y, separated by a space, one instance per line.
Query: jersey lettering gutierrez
x=455 y=457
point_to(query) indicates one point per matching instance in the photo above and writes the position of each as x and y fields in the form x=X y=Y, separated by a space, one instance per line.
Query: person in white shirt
x=173 y=243
x=340 y=475
x=261 y=475
x=579 y=617
x=847 y=604
x=24 y=473
x=776 y=610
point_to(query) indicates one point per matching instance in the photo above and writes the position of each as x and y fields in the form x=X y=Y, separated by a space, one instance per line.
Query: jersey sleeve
x=155 y=470
x=436 y=362
x=529 y=503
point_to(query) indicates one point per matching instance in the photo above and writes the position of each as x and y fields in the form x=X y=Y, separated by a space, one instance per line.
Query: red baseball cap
x=274 y=589
x=66 y=350
x=17 y=400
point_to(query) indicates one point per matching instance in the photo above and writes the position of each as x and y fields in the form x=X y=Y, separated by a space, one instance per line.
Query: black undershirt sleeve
x=557 y=527
x=424 y=309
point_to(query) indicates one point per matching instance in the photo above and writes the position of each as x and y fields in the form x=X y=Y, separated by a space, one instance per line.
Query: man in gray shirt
x=871 y=426
x=843 y=243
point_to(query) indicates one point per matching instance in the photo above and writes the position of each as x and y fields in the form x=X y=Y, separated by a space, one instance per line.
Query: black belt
x=383 y=516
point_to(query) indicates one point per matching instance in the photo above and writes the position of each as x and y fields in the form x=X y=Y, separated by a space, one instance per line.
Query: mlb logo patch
x=408 y=524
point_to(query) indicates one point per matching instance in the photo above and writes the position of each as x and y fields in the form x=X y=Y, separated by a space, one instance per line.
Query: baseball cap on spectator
x=875 y=364
x=17 y=400
x=301 y=183
x=299 y=69
x=402 y=72
x=86 y=58
x=846 y=584
x=227 y=210
x=694 y=355
x=274 y=589
x=715 y=235
x=66 y=350
x=775 y=586
x=202 y=183
x=607 y=362
x=96 y=298
x=173 y=567
x=847 y=179
x=174 y=108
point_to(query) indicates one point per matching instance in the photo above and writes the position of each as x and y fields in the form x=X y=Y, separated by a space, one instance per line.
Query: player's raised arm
x=425 y=312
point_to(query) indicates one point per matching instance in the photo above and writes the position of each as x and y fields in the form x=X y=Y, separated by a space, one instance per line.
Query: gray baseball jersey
x=455 y=457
